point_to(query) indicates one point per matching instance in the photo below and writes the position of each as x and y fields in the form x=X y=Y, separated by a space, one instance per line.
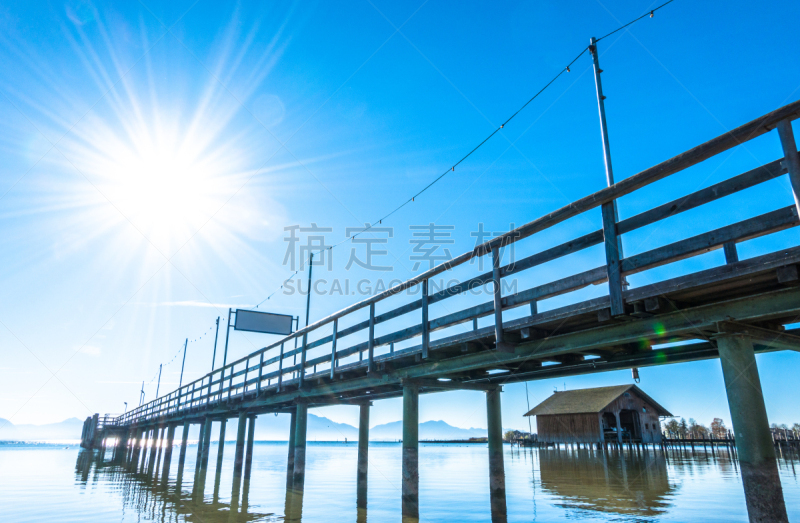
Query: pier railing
x=247 y=377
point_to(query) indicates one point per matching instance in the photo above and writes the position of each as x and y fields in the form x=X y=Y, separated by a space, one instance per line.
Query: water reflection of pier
x=162 y=500
x=632 y=484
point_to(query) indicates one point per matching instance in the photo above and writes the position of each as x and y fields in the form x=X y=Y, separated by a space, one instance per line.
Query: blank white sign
x=265 y=322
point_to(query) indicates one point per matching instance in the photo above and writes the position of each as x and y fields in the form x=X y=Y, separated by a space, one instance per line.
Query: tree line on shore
x=693 y=430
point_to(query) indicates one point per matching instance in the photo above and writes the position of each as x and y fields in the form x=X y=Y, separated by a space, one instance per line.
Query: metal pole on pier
x=308 y=296
x=214 y=357
x=613 y=244
x=227 y=333
x=185 y=344
x=602 y=108
x=305 y=336
x=158 y=385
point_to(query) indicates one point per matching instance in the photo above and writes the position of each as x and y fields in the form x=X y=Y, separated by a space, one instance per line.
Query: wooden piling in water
x=290 y=458
x=221 y=444
x=160 y=434
x=248 y=460
x=410 y=488
x=760 y=479
x=168 y=453
x=134 y=465
x=206 y=443
x=301 y=426
x=151 y=459
x=220 y=452
x=238 y=460
x=199 y=458
x=131 y=446
x=146 y=440
x=363 y=453
x=202 y=466
x=497 y=476
x=182 y=453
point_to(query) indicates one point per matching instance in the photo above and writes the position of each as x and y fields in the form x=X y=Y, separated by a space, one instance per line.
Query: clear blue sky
x=153 y=154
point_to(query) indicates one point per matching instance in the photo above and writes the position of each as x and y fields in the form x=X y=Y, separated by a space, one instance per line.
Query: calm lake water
x=54 y=483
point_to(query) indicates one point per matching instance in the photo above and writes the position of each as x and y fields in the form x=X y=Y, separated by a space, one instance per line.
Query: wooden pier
x=730 y=312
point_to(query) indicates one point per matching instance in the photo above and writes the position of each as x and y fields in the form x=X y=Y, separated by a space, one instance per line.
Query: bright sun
x=164 y=186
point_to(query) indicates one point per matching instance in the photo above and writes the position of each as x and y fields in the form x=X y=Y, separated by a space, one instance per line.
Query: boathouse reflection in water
x=634 y=484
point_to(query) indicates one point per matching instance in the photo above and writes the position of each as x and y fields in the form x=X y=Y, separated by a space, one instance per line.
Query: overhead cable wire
x=452 y=168
x=649 y=13
x=176 y=355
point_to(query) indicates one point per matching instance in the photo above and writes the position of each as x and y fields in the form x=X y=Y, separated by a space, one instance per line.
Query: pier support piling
x=200 y=441
x=238 y=459
x=168 y=453
x=363 y=453
x=182 y=453
x=155 y=454
x=132 y=441
x=290 y=459
x=220 y=453
x=206 y=444
x=146 y=440
x=248 y=460
x=760 y=479
x=203 y=452
x=410 y=489
x=301 y=425
x=294 y=498
x=138 y=434
x=221 y=445
x=497 y=475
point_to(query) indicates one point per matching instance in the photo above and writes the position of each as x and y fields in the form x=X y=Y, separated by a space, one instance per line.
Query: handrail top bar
x=737 y=136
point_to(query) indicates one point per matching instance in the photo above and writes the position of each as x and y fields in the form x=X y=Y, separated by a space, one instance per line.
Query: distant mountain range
x=429 y=430
x=274 y=428
x=69 y=429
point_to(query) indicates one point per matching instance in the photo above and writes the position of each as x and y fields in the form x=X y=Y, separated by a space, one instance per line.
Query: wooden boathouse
x=620 y=413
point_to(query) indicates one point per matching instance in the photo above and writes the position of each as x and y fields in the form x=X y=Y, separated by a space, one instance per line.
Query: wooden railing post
x=731 y=255
x=426 y=335
x=280 y=369
x=333 y=348
x=371 y=343
x=790 y=159
x=302 y=361
x=221 y=379
x=246 y=371
x=498 y=298
x=260 y=373
x=612 y=260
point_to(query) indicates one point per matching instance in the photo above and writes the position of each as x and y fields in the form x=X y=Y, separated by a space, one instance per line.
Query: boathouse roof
x=586 y=401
